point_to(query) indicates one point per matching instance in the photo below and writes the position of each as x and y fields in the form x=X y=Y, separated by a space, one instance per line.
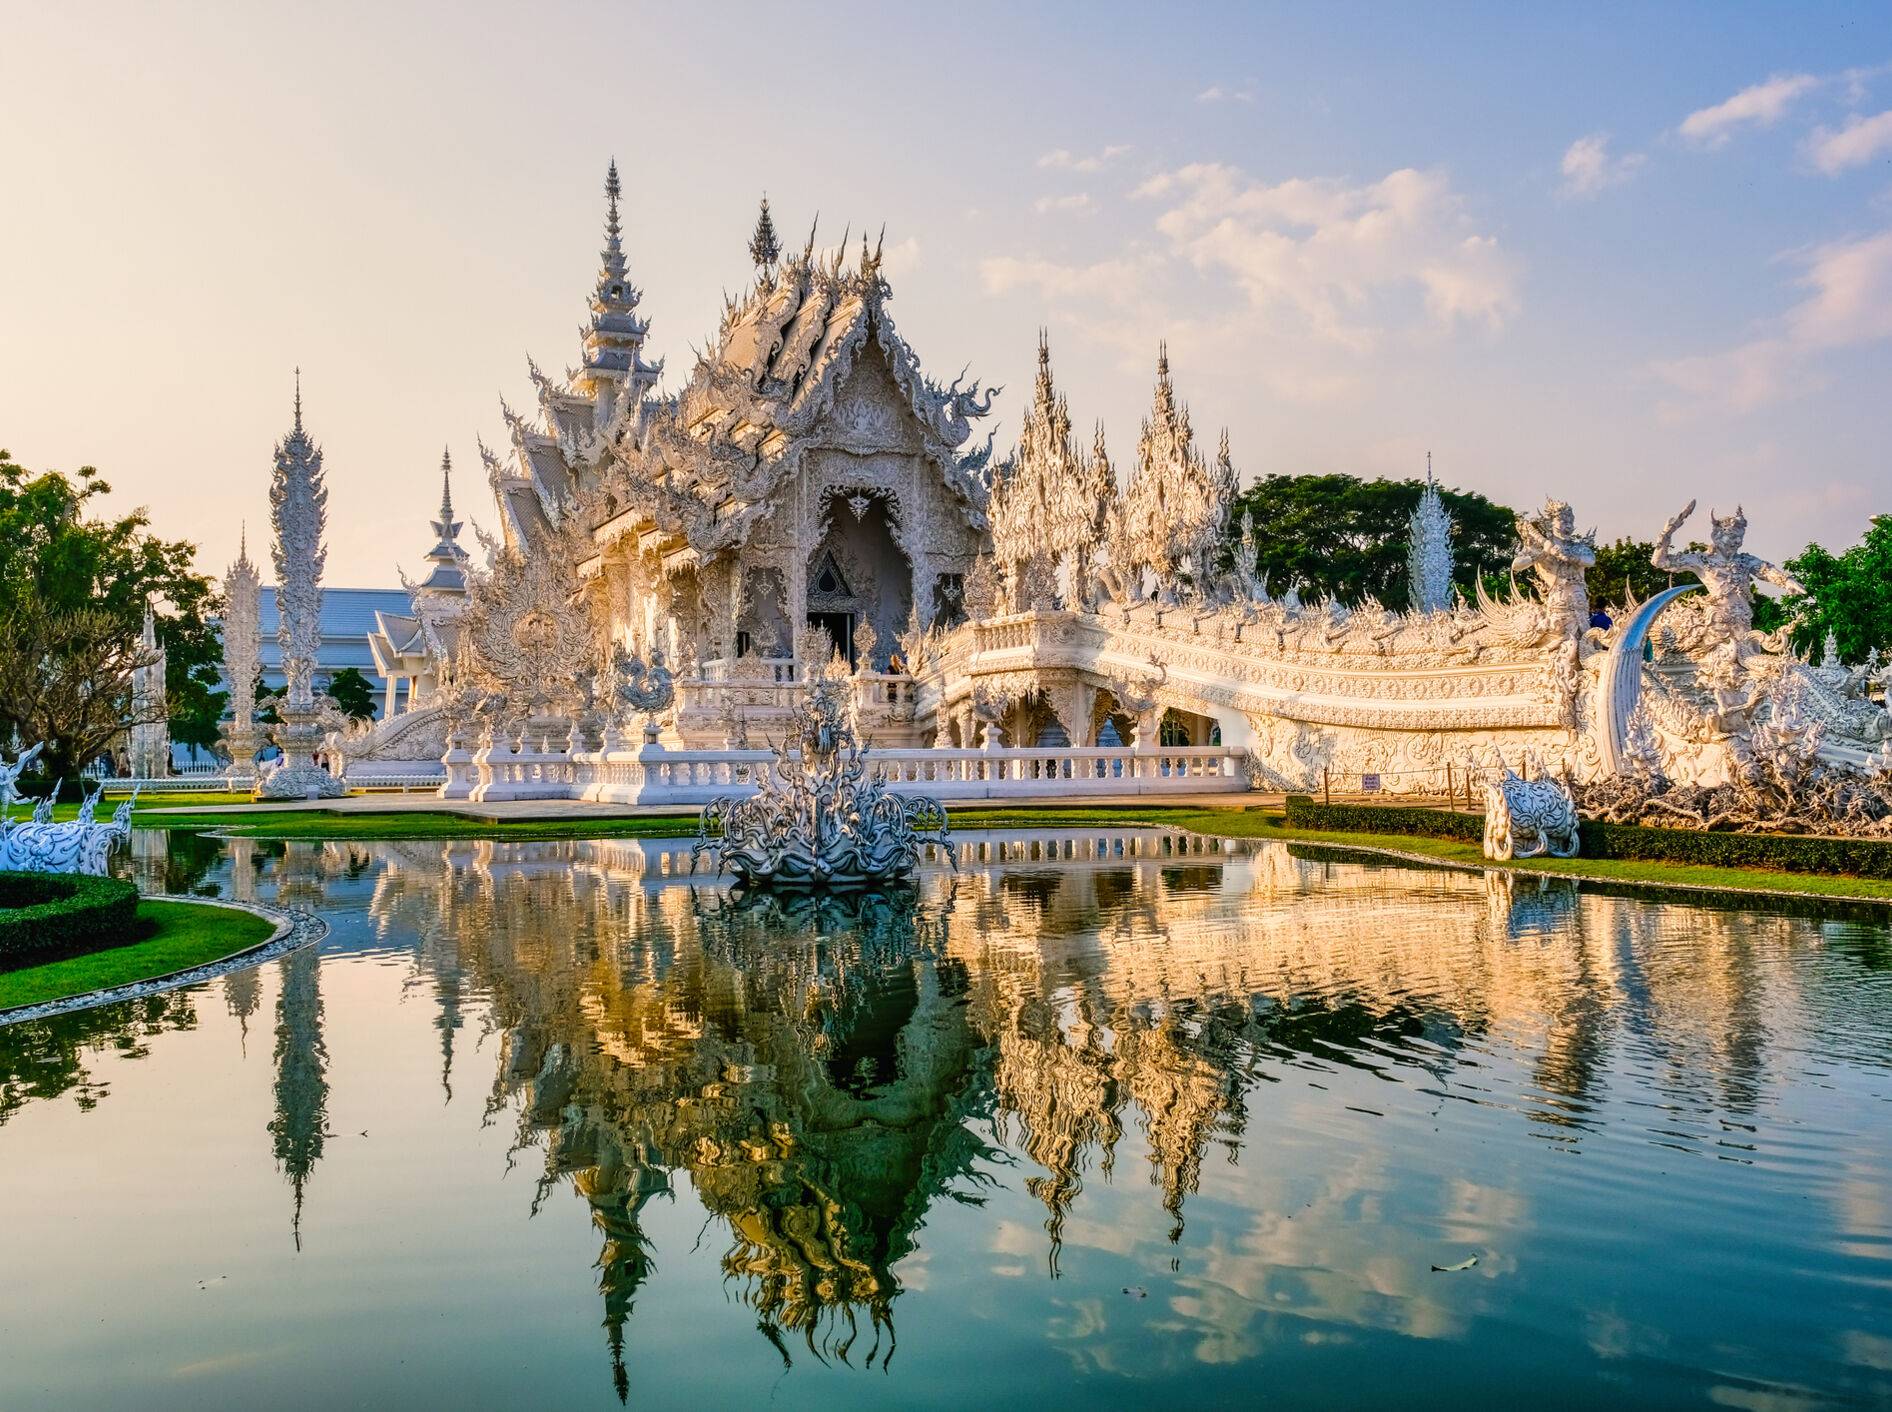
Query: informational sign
x=1370 y=784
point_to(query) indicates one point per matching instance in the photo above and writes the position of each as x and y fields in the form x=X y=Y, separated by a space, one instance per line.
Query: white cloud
x=1063 y=159
x=1217 y=93
x=901 y=258
x=1861 y=140
x=1849 y=305
x=1341 y=259
x=1588 y=166
x=1076 y=201
x=1851 y=301
x=1762 y=104
x=1115 y=280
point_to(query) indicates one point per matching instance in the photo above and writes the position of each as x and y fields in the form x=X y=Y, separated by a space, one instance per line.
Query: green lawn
x=1231 y=821
x=68 y=806
x=1237 y=822
x=389 y=828
x=183 y=934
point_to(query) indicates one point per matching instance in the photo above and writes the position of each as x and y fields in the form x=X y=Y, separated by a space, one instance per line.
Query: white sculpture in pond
x=1526 y=818
x=37 y=845
x=819 y=820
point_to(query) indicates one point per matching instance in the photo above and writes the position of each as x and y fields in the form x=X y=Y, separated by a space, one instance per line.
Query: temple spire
x=448 y=559
x=764 y=248
x=298 y=428
x=614 y=372
x=446 y=492
x=613 y=251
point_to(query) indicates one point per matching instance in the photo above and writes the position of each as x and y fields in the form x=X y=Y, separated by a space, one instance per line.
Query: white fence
x=658 y=775
x=655 y=775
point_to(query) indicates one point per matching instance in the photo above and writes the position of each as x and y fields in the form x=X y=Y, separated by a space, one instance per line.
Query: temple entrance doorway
x=840 y=630
x=859 y=582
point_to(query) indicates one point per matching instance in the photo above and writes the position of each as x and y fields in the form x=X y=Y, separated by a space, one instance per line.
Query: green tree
x=73 y=590
x=1623 y=569
x=351 y=692
x=1342 y=537
x=1848 y=594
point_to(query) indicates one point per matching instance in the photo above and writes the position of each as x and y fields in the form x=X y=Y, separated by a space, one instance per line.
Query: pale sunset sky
x=1626 y=255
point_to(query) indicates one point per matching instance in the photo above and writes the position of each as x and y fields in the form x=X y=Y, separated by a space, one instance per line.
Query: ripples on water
x=1114 y=1117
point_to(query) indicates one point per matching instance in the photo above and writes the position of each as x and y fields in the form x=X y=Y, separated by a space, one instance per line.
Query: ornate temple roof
x=699 y=467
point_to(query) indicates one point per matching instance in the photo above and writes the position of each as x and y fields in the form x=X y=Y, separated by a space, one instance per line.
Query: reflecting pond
x=1107 y=1118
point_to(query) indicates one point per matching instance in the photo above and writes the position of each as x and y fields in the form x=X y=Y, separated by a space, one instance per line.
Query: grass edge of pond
x=1221 y=821
x=184 y=935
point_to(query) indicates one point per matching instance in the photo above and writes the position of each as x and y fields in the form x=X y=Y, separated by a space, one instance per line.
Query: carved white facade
x=808 y=493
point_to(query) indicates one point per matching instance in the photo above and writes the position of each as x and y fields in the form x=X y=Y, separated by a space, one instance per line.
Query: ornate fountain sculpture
x=37 y=845
x=818 y=820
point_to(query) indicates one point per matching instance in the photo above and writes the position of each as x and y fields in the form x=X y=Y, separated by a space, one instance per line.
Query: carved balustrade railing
x=658 y=775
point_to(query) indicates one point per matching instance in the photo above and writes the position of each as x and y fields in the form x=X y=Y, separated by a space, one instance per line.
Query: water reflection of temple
x=820 y=1079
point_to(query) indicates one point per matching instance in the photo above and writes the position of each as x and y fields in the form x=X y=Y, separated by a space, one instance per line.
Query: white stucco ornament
x=38 y=845
x=1528 y=818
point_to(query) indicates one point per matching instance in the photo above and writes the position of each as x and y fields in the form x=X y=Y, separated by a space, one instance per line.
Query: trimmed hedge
x=42 y=912
x=1786 y=853
x=1304 y=813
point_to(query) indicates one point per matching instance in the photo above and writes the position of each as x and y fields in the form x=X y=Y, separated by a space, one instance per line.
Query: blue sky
x=1626 y=255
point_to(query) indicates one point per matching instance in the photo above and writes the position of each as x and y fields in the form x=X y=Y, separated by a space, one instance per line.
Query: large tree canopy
x=1848 y=594
x=1342 y=537
x=73 y=590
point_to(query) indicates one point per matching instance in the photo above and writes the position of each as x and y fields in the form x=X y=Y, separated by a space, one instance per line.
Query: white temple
x=1026 y=626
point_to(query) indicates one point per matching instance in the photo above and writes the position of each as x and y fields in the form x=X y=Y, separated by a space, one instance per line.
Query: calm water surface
x=1109 y=1119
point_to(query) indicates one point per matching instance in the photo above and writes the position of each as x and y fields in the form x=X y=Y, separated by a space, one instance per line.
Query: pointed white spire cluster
x=1429 y=587
x=1048 y=502
x=1174 y=512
